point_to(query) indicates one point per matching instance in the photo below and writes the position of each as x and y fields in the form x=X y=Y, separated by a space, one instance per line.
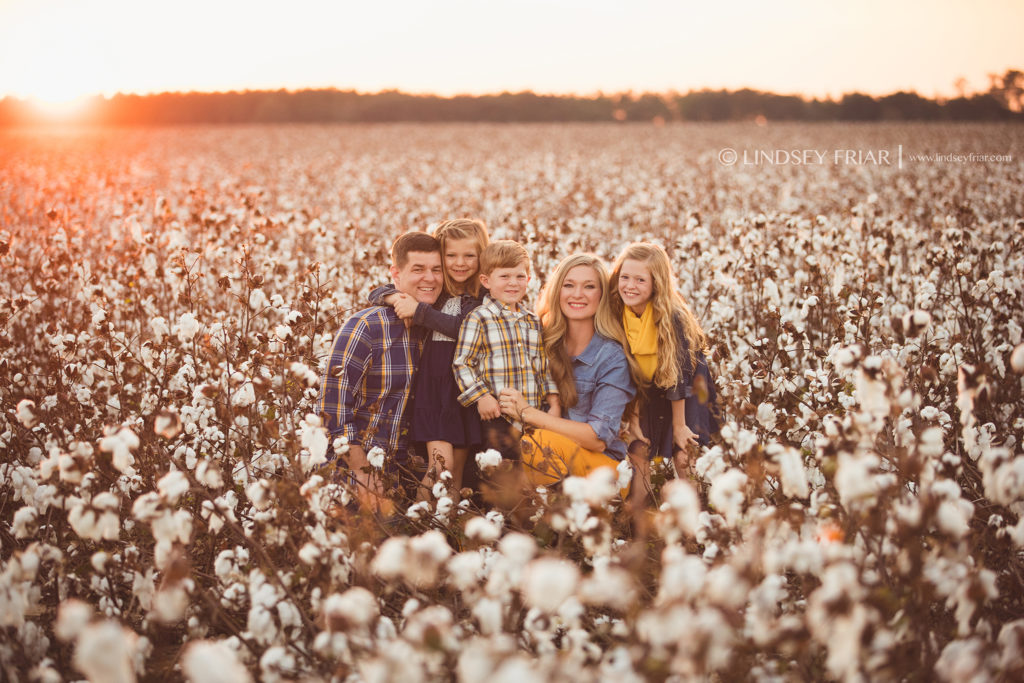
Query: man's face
x=420 y=277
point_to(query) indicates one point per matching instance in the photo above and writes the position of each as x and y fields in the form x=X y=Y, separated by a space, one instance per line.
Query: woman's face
x=580 y=293
x=635 y=286
x=461 y=259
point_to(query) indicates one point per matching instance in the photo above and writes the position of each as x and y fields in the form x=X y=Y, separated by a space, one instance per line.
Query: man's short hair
x=503 y=254
x=410 y=242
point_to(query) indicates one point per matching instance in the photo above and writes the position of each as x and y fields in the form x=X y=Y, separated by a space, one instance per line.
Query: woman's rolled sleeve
x=613 y=391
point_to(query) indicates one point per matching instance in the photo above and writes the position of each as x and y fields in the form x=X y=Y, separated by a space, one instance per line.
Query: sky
x=57 y=50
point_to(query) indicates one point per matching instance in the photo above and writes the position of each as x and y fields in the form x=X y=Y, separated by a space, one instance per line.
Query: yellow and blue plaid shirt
x=369 y=379
x=501 y=346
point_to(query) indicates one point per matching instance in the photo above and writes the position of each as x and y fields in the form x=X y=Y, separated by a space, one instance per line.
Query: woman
x=582 y=342
x=678 y=404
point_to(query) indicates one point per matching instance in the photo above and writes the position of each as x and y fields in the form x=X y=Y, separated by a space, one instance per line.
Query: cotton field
x=168 y=297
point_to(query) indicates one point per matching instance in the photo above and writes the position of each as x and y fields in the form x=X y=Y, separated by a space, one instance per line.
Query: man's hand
x=405 y=306
x=488 y=407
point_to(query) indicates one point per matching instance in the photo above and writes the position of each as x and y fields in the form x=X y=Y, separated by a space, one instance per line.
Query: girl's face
x=635 y=285
x=461 y=259
x=580 y=293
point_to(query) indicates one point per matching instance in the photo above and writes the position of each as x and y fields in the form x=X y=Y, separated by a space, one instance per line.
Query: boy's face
x=507 y=285
x=420 y=277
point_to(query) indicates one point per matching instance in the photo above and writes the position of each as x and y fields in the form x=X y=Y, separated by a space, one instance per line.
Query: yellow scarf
x=642 y=335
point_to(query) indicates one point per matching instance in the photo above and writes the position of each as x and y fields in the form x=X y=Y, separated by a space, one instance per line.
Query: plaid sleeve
x=350 y=356
x=467 y=355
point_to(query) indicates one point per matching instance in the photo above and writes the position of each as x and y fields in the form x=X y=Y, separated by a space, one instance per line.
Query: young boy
x=500 y=345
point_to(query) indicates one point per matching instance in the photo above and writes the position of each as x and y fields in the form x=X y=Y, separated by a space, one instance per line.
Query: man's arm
x=350 y=356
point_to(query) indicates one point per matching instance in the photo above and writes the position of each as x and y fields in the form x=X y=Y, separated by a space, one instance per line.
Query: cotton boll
x=389 y=562
x=791 y=470
x=488 y=459
x=207 y=661
x=159 y=327
x=72 y=617
x=167 y=424
x=766 y=415
x=26 y=413
x=612 y=587
x=245 y=395
x=727 y=494
x=1017 y=359
x=426 y=553
x=120 y=444
x=376 y=457
x=547 y=582
x=624 y=471
x=187 y=327
x=355 y=608
x=915 y=322
x=25 y=523
x=682 y=505
x=483 y=530
x=930 y=443
x=465 y=569
x=104 y=653
x=518 y=548
x=172 y=486
x=953 y=517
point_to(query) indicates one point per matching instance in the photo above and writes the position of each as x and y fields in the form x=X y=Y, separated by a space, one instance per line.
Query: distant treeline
x=1001 y=103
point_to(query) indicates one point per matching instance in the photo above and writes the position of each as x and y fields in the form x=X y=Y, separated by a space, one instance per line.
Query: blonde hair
x=667 y=303
x=503 y=254
x=462 y=229
x=555 y=325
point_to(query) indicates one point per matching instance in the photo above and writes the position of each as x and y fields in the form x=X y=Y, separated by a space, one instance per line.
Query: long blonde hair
x=667 y=303
x=461 y=229
x=555 y=325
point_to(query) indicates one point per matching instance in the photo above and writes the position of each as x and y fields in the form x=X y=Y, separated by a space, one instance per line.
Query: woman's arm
x=515 y=406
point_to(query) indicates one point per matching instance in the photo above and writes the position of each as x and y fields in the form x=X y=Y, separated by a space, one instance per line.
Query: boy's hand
x=405 y=306
x=390 y=299
x=488 y=407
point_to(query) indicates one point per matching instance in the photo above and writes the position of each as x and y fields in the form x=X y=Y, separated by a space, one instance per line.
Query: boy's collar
x=514 y=308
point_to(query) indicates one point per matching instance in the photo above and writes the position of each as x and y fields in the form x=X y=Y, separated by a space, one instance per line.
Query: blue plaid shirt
x=369 y=380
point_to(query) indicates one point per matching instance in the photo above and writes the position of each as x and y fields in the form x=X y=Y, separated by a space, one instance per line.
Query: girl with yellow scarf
x=677 y=405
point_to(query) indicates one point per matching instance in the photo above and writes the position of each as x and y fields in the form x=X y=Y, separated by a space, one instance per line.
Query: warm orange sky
x=58 y=49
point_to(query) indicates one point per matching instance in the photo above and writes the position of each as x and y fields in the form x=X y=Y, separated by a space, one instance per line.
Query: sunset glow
x=57 y=50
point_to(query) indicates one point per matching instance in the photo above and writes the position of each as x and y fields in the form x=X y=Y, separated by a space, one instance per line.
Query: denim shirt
x=604 y=387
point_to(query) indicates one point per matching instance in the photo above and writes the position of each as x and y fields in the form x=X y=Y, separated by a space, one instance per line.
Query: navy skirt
x=437 y=414
x=702 y=417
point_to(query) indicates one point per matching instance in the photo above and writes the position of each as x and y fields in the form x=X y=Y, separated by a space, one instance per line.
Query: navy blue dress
x=437 y=414
x=696 y=387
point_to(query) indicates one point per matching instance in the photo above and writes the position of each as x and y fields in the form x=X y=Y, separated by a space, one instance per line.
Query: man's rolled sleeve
x=349 y=356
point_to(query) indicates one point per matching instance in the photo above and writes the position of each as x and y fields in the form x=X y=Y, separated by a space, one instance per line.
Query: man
x=365 y=392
